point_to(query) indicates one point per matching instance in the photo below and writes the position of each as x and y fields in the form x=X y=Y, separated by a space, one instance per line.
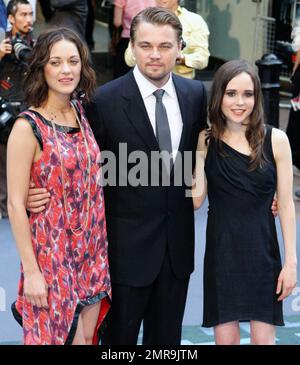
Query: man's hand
x=5 y=47
x=274 y=207
x=37 y=199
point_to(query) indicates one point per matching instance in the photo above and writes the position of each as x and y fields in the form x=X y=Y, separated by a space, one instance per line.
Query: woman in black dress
x=242 y=163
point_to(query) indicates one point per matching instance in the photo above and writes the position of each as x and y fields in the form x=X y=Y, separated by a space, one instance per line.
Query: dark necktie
x=163 y=134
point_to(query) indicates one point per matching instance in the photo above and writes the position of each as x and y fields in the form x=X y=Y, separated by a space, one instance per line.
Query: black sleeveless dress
x=242 y=259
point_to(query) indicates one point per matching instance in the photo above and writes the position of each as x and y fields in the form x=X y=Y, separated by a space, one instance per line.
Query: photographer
x=13 y=51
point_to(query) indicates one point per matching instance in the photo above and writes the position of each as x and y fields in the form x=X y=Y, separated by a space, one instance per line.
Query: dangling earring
x=78 y=94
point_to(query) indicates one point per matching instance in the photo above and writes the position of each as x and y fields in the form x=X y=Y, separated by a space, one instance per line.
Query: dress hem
x=213 y=324
x=102 y=296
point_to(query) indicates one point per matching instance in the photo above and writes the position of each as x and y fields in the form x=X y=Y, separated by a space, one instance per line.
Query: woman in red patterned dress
x=64 y=290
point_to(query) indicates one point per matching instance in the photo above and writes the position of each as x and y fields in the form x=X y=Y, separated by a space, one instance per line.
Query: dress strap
x=31 y=119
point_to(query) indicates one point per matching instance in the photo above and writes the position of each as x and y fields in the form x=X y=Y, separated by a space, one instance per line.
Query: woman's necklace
x=59 y=148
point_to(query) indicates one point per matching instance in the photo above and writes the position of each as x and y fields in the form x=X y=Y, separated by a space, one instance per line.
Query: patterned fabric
x=75 y=267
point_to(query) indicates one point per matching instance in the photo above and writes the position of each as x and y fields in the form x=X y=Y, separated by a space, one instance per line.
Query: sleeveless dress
x=242 y=259
x=75 y=266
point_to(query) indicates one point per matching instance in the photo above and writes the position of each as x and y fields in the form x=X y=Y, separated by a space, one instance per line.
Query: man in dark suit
x=150 y=225
x=150 y=228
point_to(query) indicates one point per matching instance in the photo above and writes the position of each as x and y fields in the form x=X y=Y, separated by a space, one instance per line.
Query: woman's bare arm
x=22 y=149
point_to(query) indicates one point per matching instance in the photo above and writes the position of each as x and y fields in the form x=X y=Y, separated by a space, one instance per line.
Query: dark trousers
x=89 y=28
x=160 y=306
x=293 y=133
x=120 y=66
x=46 y=9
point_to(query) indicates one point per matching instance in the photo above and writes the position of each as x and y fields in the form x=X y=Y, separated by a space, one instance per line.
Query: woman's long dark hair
x=255 y=131
x=35 y=85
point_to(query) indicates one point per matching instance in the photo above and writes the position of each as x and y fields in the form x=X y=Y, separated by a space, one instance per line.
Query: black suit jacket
x=144 y=221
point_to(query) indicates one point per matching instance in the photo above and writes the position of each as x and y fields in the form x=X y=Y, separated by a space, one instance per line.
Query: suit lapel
x=136 y=112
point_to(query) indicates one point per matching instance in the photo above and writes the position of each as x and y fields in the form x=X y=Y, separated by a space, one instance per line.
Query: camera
x=20 y=48
x=6 y=120
x=6 y=117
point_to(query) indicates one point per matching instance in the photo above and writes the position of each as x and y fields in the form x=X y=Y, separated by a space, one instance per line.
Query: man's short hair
x=156 y=16
x=12 y=6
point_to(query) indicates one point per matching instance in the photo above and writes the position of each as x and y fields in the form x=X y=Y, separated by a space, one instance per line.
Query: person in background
x=3 y=20
x=33 y=6
x=195 y=53
x=293 y=127
x=124 y=11
x=72 y=16
x=90 y=22
x=12 y=72
x=64 y=290
x=241 y=163
x=46 y=9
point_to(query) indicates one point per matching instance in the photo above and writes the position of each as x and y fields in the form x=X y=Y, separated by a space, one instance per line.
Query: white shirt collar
x=147 y=88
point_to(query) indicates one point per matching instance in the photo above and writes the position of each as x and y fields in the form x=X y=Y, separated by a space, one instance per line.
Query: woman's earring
x=78 y=94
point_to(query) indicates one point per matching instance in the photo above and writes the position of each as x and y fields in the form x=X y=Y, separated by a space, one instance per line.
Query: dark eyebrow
x=59 y=58
x=244 y=90
x=27 y=12
x=161 y=44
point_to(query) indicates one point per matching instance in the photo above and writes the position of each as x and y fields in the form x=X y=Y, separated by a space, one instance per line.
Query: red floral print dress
x=75 y=266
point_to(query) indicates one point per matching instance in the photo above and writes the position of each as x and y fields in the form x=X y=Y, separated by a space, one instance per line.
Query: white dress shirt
x=170 y=102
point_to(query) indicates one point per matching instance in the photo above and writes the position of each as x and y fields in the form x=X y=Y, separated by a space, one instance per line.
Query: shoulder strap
x=31 y=117
x=80 y=113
